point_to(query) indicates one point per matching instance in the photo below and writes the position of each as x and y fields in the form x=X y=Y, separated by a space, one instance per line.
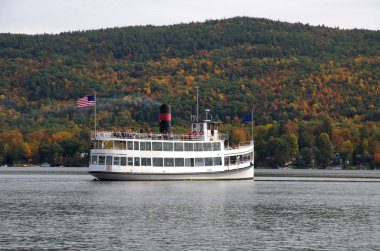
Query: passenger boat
x=202 y=154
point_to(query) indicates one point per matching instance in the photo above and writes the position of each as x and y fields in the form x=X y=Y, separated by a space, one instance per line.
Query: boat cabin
x=206 y=130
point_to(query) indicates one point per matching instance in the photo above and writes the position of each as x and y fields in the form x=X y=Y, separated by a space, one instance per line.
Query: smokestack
x=165 y=119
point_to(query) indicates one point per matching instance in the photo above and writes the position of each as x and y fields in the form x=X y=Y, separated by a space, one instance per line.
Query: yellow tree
x=239 y=135
x=346 y=150
x=36 y=138
x=12 y=146
x=61 y=135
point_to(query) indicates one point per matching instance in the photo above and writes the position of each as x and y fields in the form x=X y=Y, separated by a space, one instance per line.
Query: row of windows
x=161 y=146
x=167 y=162
x=233 y=160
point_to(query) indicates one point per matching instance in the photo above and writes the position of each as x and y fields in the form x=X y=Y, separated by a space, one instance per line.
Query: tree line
x=293 y=76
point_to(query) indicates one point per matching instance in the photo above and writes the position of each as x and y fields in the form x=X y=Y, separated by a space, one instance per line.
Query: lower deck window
x=209 y=162
x=102 y=160
x=109 y=160
x=137 y=161
x=169 y=162
x=94 y=159
x=217 y=161
x=247 y=157
x=189 y=162
x=199 y=162
x=130 y=161
x=233 y=160
x=158 y=162
x=179 y=162
x=116 y=161
x=226 y=161
x=123 y=161
x=146 y=162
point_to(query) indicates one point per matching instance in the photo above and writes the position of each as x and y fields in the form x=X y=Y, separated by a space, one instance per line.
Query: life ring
x=201 y=132
x=195 y=133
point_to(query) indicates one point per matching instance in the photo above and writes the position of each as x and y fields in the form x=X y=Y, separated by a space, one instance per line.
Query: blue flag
x=248 y=118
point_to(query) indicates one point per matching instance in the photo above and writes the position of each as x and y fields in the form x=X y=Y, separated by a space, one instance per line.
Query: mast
x=252 y=123
x=253 y=142
x=95 y=114
x=197 y=90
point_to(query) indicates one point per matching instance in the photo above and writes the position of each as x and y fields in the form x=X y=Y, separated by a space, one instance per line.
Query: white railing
x=109 y=135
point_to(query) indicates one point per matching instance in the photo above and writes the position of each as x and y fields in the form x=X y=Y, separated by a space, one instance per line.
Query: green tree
x=324 y=152
x=306 y=135
x=51 y=153
x=279 y=150
x=260 y=150
x=306 y=156
x=363 y=147
x=70 y=147
x=16 y=153
x=293 y=142
x=326 y=125
x=346 y=151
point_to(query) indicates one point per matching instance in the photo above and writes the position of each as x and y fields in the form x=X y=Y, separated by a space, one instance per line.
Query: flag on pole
x=86 y=101
x=248 y=118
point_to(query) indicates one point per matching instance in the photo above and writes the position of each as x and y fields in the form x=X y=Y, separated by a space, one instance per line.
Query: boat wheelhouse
x=202 y=154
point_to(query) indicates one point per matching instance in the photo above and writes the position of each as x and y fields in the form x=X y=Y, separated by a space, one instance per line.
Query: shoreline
x=44 y=170
x=260 y=174
x=318 y=173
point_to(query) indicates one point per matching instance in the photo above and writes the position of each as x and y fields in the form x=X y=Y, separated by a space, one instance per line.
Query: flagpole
x=95 y=114
x=253 y=143
x=252 y=122
x=197 y=88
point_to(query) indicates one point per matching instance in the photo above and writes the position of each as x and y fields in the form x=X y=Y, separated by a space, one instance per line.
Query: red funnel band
x=165 y=116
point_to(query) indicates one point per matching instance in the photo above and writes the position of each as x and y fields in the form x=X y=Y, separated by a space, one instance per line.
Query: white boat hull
x=235 y=174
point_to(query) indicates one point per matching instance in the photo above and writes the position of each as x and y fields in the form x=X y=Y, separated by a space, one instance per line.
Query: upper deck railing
x=114 y=135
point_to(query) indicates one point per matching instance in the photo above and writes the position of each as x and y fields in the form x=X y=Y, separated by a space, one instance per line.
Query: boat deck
x=109 y=135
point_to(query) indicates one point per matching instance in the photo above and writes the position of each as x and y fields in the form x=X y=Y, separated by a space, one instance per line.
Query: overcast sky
x=54 y=16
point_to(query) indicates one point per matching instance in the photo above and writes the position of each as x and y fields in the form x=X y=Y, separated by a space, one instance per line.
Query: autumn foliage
x=306 y=81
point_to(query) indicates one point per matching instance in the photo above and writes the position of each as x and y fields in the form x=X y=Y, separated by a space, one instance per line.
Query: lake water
x=60 y=210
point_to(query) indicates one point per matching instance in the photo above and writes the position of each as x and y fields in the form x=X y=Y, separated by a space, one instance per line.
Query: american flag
x=86 y=101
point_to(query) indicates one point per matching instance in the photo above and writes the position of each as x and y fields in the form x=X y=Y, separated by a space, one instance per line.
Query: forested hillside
x=314 y=91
